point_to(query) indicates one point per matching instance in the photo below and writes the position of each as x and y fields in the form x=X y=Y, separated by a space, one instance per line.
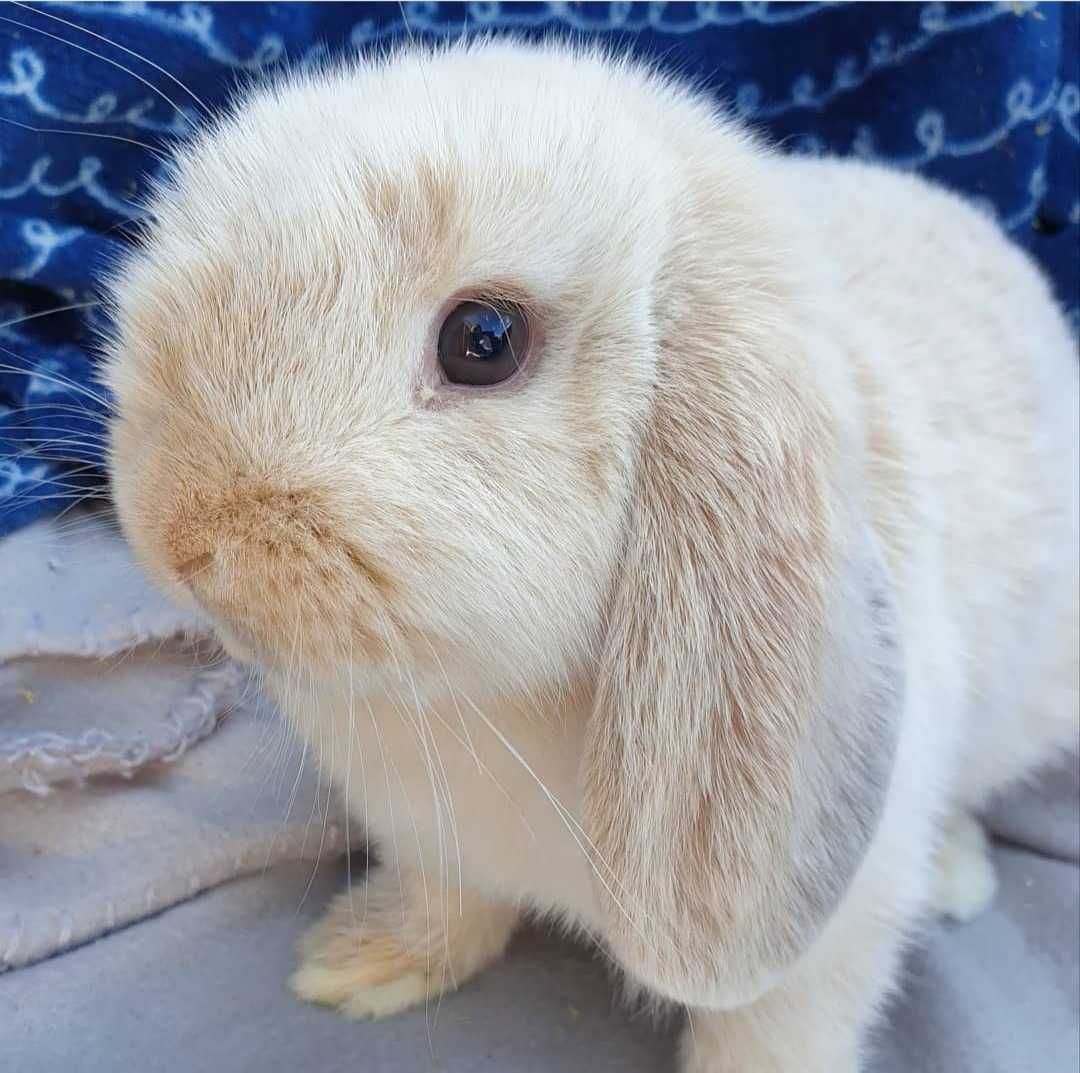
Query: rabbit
x=647 y=530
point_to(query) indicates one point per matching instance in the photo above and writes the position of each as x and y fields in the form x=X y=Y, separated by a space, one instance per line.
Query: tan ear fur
x=739 y=752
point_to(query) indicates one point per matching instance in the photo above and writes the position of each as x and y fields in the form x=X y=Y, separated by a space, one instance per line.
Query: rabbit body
x=706 y=636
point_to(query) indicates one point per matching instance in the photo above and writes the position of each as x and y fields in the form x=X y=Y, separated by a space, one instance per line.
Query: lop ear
x=739 y=754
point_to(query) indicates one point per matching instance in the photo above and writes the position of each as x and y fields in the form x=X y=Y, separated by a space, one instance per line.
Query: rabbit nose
x=228 y=545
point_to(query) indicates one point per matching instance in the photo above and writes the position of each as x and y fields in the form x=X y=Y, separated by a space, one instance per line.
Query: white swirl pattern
x=1013 y=147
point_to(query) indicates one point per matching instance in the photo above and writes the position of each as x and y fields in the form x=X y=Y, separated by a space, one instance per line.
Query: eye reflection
x=482 y=343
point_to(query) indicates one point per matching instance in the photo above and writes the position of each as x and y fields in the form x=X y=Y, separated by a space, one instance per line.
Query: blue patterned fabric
x=983 y=97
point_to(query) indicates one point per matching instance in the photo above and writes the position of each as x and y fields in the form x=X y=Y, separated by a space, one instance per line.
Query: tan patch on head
x=441 y=192
x=418 y=211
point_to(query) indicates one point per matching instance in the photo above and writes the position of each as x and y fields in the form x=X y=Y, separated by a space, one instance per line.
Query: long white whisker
x=161 y=155
x=352 y=732
x=453 y=698
x=287 y=700
x=65 y=383
x=46 y=312
x=487 y=772
x=447 y=965
x=451 y=814
x=437 y=806
x=588 y=848
x=104 y=59
x=329 y=789
x=388 y=764
x=115 y=44
x=320 y=764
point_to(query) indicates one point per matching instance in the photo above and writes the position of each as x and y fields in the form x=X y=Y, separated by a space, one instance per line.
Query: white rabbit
x=644 y=528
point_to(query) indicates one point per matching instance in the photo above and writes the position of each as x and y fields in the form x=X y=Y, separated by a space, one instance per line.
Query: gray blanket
x=147 y=917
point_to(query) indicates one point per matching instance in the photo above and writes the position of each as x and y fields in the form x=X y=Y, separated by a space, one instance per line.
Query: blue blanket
x=983 y=97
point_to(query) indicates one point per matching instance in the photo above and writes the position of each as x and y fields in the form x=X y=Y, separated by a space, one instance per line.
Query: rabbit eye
x=482 y=343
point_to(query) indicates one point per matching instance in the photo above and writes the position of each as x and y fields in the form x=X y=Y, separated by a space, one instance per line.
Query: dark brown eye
x=483 y=343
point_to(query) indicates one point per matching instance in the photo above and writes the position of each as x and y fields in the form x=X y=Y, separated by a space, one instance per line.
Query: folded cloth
x=100 y=678
x=203 y=987
x=77 y=607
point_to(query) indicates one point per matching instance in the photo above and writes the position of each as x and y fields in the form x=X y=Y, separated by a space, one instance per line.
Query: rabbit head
x=653 y=495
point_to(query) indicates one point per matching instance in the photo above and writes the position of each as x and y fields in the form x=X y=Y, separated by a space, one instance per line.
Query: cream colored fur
x=703 y=634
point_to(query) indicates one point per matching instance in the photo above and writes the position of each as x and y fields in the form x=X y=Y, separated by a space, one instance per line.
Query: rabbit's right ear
x=740 y=749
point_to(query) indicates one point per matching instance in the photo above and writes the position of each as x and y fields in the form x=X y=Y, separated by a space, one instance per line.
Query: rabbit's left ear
x=740 y=749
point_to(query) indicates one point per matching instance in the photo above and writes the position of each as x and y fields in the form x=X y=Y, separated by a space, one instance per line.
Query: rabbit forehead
x=477 y=161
